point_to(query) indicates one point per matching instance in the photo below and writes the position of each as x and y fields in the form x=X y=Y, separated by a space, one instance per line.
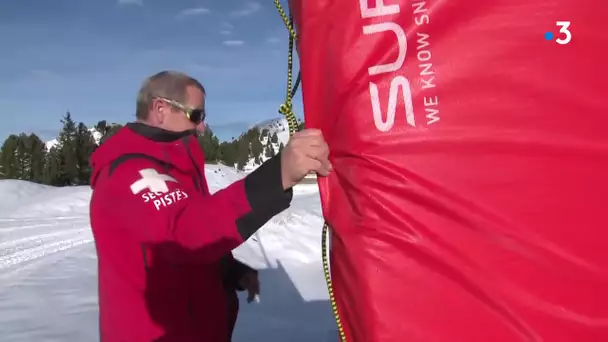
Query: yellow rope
x=287 y=110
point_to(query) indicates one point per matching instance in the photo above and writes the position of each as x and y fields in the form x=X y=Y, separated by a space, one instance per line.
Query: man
x=164 y=244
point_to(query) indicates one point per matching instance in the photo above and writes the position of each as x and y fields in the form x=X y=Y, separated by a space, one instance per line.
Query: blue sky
x=90 y=56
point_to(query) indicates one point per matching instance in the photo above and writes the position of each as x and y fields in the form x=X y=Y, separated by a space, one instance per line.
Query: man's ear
x=157 y=104
x=159 y=110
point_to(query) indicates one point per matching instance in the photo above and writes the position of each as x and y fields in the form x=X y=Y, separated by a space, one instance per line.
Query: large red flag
x=469 y=200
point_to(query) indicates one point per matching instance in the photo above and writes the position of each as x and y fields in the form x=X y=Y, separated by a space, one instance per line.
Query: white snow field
x=48 y=267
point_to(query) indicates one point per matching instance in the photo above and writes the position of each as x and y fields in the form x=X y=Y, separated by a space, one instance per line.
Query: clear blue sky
x=90 y=56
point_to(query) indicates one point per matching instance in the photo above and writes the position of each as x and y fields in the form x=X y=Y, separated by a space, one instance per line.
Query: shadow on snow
x=283 y=314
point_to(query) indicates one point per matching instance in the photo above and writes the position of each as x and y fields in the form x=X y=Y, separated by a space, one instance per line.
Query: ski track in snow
x=39 y=219
x=29 y=242
x=48 y=269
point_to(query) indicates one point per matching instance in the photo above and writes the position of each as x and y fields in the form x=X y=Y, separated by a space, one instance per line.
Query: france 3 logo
x=564 y=35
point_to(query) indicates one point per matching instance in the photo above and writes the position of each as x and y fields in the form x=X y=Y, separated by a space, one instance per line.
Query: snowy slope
x=281 y=127
x=54 y=142
x=278 y=125
x=48 y=289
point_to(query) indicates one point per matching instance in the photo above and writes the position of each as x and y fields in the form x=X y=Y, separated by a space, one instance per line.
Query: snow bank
x=22 y=199
x=14 y=191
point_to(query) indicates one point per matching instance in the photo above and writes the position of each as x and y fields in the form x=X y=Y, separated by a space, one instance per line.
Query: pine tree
x=281 y=147
x=253 y=133
x=269 y=150
x=23 y=157
x=34 y=156
x=52 y=167
x=10 y=162
x=106 y=130
x=210 y=144
x=256 y=147
x=102 y=127
x=68 y=156
x=83 y=148
x=228 y=152
x=274 y=138
x=243 y=153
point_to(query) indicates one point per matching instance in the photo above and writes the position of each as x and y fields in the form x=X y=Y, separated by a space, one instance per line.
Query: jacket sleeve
x=187 y=223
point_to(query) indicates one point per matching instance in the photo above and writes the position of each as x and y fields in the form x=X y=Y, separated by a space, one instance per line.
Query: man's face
x=175 y=119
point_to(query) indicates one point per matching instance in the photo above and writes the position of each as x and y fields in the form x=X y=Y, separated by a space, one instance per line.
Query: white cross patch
x=153 y=181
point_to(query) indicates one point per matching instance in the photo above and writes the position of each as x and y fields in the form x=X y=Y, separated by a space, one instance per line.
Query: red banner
x=470 y=147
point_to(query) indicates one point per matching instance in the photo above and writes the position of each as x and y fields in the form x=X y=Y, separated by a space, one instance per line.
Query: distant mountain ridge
x=267 y=129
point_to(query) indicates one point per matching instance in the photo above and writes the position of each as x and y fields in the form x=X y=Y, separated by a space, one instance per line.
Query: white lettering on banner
x=399 y=82
x=424 y=55
x=162 y=199
x=421 y=16
x=425 y=64
x=151 y=180
x=378 y=11
x=430 y=107
x=401 y=40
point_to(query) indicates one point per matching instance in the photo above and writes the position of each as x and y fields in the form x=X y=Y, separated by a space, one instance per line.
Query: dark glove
x=233 y=271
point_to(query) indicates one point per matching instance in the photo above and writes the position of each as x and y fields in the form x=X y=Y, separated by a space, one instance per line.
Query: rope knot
x=285 y=108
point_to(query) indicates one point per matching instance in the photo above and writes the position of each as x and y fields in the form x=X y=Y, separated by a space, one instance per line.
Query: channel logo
x=564 y=35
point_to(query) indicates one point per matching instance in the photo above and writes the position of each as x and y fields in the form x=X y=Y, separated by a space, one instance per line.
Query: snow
x=48 y=265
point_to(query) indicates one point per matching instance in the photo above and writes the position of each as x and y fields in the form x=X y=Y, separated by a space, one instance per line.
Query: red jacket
x=162 y=240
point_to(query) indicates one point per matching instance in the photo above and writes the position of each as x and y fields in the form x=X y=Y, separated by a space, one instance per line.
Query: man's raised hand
x=305 y=152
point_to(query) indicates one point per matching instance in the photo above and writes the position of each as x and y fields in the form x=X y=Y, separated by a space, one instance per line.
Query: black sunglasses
x=193 y=114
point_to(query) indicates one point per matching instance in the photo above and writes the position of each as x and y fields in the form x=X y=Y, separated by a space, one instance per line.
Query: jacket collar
x=158 y=134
